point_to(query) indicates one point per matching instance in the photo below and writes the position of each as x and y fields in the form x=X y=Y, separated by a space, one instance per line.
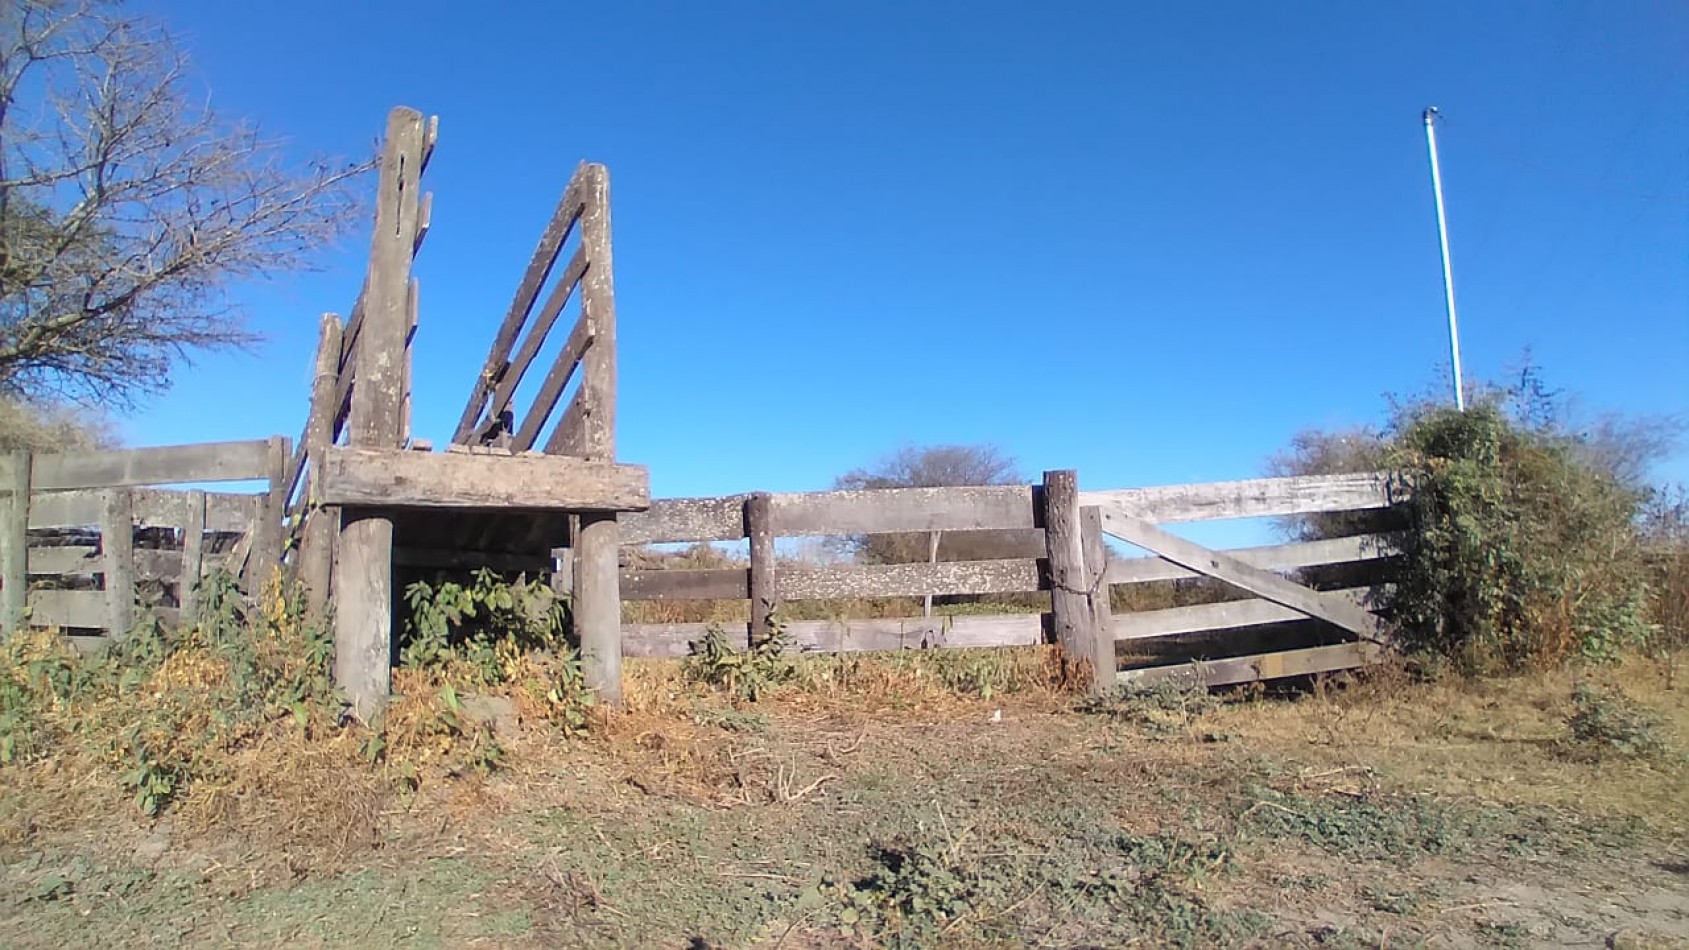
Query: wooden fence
x=85 y=545
x=1057 y=533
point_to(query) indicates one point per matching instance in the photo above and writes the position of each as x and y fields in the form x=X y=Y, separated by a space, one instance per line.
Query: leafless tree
x=937 y=466
x=128 y=207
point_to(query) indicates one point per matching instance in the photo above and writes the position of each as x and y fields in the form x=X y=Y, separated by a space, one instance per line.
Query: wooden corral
x=1067 y=558
x=86 y=546
x=533 y=485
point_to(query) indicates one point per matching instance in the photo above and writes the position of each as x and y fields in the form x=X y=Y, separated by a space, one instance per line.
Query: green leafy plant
x=449 y=620
x=745 y=675
x=1604 y=722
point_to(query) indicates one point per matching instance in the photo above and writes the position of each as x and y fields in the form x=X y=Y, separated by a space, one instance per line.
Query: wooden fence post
x=316 y=542
x=598 y=604
x=193 y=558
x=759 y=527
x=1070 y=602
x=363 y=563
x=117 y=542
x=14 y=540
x=268 y=536
x=1103 y=662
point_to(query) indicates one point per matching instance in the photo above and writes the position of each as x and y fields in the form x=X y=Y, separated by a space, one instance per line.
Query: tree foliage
x=1523 y=543
x=128 y=207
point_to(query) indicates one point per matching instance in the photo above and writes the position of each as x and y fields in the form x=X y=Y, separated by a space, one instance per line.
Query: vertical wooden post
x=117 y=543
x=363 y=563
x=269 y=536
x=316 y=543
x=1069 y=588
x=598 y=598
x=759 y=527
x=1103 y=663
x=598 y=604
x=14 y=540
x=193 y=558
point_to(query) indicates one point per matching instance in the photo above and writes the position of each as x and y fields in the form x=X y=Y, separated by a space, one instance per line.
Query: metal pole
x=1443 y=238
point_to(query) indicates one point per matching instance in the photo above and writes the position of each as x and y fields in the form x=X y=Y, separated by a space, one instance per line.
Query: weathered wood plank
x=563 y=218
x=363 y=578
x=1262 y=666
x=163 y=465
x=1260 y=497
x=1264 y=584
x=150 y=564
x=1021 y=575
x=316 y=543
x=117 y=544
x=225 y=512
x=897 y=510
x=535 y=338
x=398 y=479
x=1276 y=557
x=269 y=536
x=1070 y=588
x=764 y=573
x=828 y=636
x=1103 y=662
x=1223 y=616
x=686 y=519
x=14 y=539
x=720 y=584
x=598 y=605
x=193 y=555
x=593 y=431
x=580 y=341
x=85 y=609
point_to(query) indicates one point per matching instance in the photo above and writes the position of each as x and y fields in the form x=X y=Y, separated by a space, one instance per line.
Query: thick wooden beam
x=1262 y=666
x=117 y=544
x=82 y=609
x=14 y=540
x=316 y=545
x=157 y=508
x=363 y=576
x=388 y=478
x=1264 y=584
x=563 y=220
x=163 y=465
x=1253 y=498
x=592 y=432
x=598 y=605
x=686 y=519
x=899 y=510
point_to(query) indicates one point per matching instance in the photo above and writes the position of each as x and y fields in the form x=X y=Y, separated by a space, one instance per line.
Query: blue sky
x=1146 y=241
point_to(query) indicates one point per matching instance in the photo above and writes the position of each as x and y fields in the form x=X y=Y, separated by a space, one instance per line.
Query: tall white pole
x=1443 y=238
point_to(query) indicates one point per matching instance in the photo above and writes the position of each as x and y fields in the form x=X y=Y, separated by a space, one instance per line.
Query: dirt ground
x=1371 y=814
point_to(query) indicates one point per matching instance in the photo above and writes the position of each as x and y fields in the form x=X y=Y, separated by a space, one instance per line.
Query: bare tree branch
x=128 y=208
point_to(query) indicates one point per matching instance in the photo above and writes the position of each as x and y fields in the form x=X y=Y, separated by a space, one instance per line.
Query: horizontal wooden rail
x=1222 y=616
x=165 y=465
x=1254 y=498
x=391 y=478
x=841 y=582
x=150 y=564
x=823 y=636
x=674 y=520
x=224 y=512
x=1260 y=666
x=69 y=608
x=1277 y=557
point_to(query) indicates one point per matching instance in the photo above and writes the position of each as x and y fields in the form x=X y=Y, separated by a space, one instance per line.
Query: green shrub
x=1521 y=545
x=745 y=675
